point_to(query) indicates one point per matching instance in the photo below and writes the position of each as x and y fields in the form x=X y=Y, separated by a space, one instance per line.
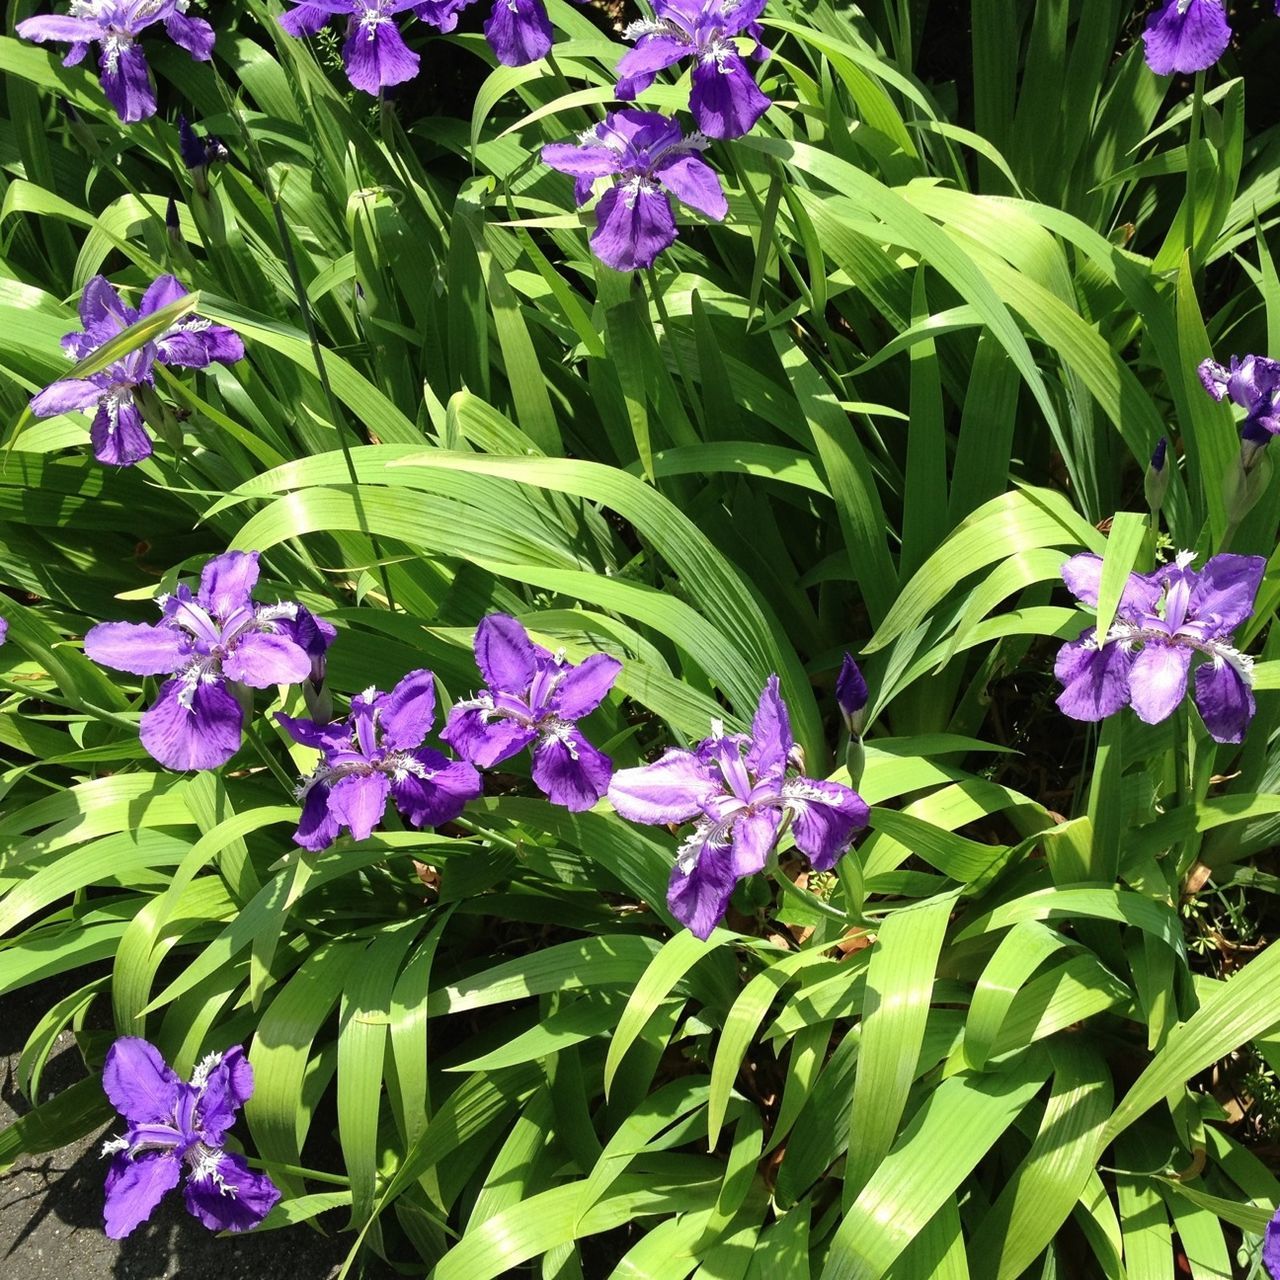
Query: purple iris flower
x=534 y=698
x=725 y=99
x=635 y=220
x=374 y=55
x=118 y=434
x=1186 y=35
x=738 y=789
x=376 y=754
x=115 y=26
x=1254 y=385
x=172 y=1124
x=518 y=31
x=1271 y=1243
x=1164 y=622
x=215 y=645
x=4 y=630
x=198 y=153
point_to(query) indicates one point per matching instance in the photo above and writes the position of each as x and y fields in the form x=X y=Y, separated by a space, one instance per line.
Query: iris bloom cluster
x=118 y=433
x=174 y=1125
x=214 y=645
x=738 y=790
x=115 y=27
x=377 y=753
x=1165 y=622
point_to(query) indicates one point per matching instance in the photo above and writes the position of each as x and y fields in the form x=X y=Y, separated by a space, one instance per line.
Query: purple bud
x=851 y=695
x=1155 y=484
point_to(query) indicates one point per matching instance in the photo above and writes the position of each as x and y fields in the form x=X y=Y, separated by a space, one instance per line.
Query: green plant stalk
x=340 y=421
x=1193 y=142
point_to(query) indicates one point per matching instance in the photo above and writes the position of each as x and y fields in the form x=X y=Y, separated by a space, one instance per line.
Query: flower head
x=4 y=630
x=1164 y=622
x=1253 y=384
x=737 y=790
x=534 y=698
x=374 y=54
x=635 y=220
x=374 y=754
x=725 y=100
x=118 y=434
x=1185 y=36
x=172 y=1125
x=214 y=644
x=115 y=26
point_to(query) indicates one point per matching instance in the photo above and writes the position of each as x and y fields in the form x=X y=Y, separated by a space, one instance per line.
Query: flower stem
x=1193 y=148
x=340 y=421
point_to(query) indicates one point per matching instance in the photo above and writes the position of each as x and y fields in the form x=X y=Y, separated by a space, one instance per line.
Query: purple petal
x=407 y=712
x=725 y=100
x=431 y=801
x=652 y=54
x=202 y=736
x=226 y=1089
x=57 y=27
x=4 y=630
x=160 y=292
x=753 y=836
x=1158 y=680
x=126 y=81
x=261 y=659
x=140 y=648
x=632 y=227
x=738 y=17
x=122 y=440
x=305 y=20
x=377 y=58
x=102 y=311
x=1214 y=378
x=140 y=1084
x=504 y=653
x=700 y=898
x=317 y=827
x=134 y=1188
x=359 y=801
x=518 y=31
x=583 y=688
x=236 y=1200
x=322 y=737
x=1224 y=700
x=570 y=771
x=1224 y=591
x=824 y=816
x=194 y=35
x=1083 y=576
x=1185 y=42
x=485 y=743
x=771 y=739
x=66 y=396
x=671 y=790
x=1095 y=681
x=227 y=581
x=695 y=183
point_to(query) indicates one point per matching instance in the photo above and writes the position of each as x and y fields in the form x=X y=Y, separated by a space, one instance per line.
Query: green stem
x=1193 y=147
x=651 y=279
x=340 y=421
x=313 y=1175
